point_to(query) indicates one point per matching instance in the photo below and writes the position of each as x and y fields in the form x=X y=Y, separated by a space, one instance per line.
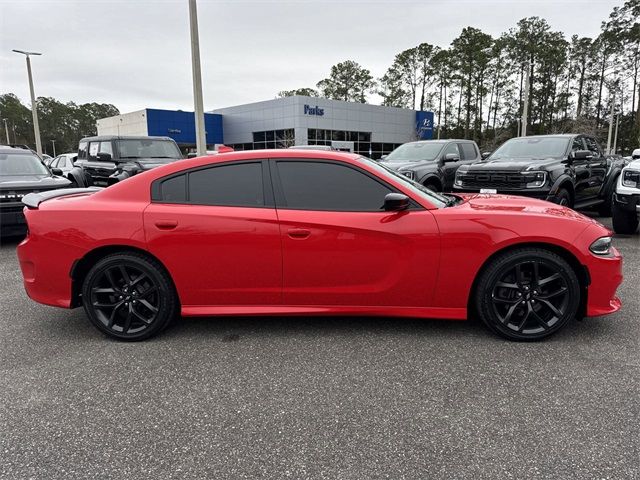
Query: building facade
x=372 y=130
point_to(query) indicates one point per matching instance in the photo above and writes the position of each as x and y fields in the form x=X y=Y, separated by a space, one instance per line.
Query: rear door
x=581 y=170
x=216 y=230
x=339 y=246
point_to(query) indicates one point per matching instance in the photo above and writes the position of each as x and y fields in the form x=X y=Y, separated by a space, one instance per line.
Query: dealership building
x=370 y=130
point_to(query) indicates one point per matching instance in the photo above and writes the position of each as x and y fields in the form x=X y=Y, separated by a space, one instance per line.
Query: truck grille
x=497 y=180
x=14 y=196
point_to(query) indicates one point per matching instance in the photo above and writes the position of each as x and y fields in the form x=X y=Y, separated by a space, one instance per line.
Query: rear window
x=469 y=151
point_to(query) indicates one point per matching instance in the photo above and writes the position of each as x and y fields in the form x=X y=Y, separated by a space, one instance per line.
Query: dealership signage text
x=313 y=110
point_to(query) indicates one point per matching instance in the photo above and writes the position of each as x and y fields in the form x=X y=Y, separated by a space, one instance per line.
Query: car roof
x=442 y=140
x=98 y=138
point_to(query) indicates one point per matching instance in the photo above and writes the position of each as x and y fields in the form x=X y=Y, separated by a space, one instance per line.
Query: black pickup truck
x=105 y=160
x=568 y=169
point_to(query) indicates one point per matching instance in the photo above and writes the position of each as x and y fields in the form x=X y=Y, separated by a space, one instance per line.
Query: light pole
x=201 y=140
x=54 y=147
x=6 y=130
x=613 y=102
x=525 y=107
x=34 y=105
x=615 y=136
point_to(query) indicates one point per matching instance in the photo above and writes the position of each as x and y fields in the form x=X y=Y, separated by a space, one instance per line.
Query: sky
x=136 y=53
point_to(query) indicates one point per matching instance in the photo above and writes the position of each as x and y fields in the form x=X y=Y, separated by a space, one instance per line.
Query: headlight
x=458 y=180
x=601 y=246
x=631 y=178
x=535 y=179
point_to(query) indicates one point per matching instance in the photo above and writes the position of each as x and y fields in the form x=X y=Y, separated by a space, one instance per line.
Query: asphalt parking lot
x=348 y=398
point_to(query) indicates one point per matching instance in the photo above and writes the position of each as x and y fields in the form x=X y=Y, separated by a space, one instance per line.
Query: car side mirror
x=485 y=154
x=395 y=202
x=581 y=155
x=56 y=171
x=104 y=157
x=383 y=157
x=451 y=157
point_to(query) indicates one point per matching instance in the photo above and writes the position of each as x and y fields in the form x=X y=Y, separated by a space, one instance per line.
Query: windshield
x=415 y=152
x=145 y=148
x=434 y=198
x=15 y=164
x=531 y=147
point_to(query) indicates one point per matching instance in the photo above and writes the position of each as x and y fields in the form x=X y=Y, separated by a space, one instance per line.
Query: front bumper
x=627 y=202
x=12 y=220
x=606 y=277
x=541 y=194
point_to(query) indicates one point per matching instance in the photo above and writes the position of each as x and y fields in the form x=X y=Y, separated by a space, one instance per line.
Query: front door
x=340 y=248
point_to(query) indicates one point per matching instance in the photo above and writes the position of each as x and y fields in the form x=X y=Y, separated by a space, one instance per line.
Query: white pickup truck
x=626 y=200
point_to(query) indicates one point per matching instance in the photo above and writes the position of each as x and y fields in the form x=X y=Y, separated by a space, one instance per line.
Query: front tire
x=624 y=221
x=129 y=296
x=563 y=197
x=527 y=294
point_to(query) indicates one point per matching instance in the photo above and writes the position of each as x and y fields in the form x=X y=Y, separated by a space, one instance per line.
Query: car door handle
x=166 y=224
x=299 y=233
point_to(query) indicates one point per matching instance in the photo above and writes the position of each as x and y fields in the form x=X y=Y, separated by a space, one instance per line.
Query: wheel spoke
x=513 y=286
x=148 y=305
x=539 y=320
x=103 y=290
x=112 y=280
x=547 y=296
x=536 y=274
x=519 y=274
x=137 y=279
x=127 y=322
x=135 y=312
x=125 y=275
x=524 y=319
x=507 y=318
x=551 y=307
x=548 y=279
x=508 y=301
x=105 y=305
x=113 y=313
x=147 y=292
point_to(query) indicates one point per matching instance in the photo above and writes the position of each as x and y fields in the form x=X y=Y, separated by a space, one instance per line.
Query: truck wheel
x=624 y=222
x=563 y=197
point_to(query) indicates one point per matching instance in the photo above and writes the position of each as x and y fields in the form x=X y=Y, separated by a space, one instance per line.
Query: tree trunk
x=601 y=83
x=580 y=89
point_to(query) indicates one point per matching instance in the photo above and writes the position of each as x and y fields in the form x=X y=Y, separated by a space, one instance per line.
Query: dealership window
x=238 y=185
x=282 y=138
x=330 y=187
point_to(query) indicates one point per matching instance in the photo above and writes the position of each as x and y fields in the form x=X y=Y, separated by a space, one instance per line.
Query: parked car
x=105 y=160
x=433 y=163
x=626 y=201
x=22 y=172
x=63 y=162
x=202 y=237
x=570 y=170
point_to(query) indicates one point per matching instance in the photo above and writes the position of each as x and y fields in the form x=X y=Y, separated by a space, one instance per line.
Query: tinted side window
x=174 y=189
x=577 y=144
x=82 y=150
x=329 y=186
x=451 y=148
x=469 y=151
x=237 y=185
x=592 y=145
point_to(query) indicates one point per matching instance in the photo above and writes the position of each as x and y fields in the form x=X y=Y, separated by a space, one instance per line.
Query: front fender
x=119 y=176
x=559 y=181
x=77 y=175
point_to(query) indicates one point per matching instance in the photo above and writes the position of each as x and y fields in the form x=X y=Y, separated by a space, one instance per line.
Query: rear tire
x=129 y=296
x=527 y=294
x=433 y=186
x=624 y=222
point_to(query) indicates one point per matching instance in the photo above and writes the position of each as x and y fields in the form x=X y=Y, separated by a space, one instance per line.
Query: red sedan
x=294 y=232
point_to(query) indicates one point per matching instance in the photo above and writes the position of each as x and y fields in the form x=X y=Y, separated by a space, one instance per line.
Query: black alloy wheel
x=129 y=296
x=528 y=294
